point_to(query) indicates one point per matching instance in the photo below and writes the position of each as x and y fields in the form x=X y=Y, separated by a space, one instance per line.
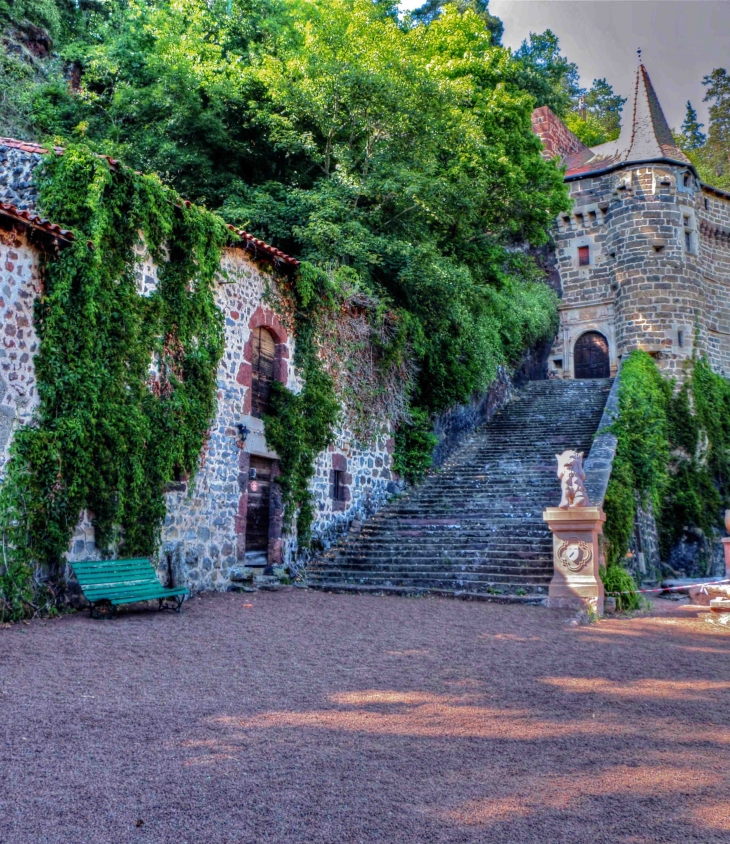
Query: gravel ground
x=307 y=717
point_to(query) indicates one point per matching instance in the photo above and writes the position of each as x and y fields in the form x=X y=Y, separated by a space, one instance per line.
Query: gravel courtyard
x=308 y=717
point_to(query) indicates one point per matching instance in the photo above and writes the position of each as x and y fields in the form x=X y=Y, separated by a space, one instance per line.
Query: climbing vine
x=301 y=425
x=127 y=382
x=673 y=453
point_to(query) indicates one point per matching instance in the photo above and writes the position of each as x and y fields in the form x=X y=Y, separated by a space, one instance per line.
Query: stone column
x=576 y=583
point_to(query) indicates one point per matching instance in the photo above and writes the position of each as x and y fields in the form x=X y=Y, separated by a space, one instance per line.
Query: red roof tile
x=30 y=219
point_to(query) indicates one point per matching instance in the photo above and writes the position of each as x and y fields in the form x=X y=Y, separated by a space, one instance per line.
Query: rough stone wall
x=20 y=284
x=16 y=177
x=643 y=287
x=556 y=138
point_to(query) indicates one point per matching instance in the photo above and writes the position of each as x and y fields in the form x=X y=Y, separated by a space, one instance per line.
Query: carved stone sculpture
x=572 y=478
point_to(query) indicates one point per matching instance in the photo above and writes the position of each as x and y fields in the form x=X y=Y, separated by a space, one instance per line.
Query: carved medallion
x=575 y=554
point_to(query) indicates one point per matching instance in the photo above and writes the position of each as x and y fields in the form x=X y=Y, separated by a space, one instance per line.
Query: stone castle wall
x=658 y=276
x=556 y=138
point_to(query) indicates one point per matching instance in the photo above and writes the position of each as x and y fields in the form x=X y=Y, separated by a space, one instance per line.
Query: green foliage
x=414 y=445
x=107 y=436
x=710 y=154
x=621 y=585
x=546 y=74
x=692 y=137
x=301 y=425
x=620 y=508
x=431 y=9
x=605 y=107
x=673 y=451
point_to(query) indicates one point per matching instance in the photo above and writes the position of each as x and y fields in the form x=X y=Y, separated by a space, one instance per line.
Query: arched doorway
x=590 y=356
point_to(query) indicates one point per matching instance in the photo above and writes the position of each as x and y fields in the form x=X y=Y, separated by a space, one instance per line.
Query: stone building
x=231 y=515
x=644 y=255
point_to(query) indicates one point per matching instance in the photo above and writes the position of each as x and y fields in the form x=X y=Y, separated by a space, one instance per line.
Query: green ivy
x=414 y=445
x=301 y=425
x=107 y=437
x=620 y=585
x=673 y=452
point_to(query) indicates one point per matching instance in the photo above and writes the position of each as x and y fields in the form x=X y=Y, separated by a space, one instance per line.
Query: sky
x=681 y=41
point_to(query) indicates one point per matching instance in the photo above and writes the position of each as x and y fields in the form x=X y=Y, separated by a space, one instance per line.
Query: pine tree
x=692 y=134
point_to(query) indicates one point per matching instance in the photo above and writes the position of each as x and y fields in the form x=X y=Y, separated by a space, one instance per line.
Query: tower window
x=687 y=180
x=584 y=256
x=680 y=338
x=688 y=241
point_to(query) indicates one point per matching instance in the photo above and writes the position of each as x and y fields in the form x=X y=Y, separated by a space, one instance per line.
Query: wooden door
x=591 y=356
x=259 y=506
x=262 y=366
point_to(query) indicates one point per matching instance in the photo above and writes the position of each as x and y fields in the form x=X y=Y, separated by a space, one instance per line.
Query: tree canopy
x=395 y=152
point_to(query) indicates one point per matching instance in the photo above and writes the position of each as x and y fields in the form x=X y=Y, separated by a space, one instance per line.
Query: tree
x=692 y=136
x=712 y=159
x=596 y=118
x=605 y=106
x=433 y=8
x=547 y=75
x=400 y=155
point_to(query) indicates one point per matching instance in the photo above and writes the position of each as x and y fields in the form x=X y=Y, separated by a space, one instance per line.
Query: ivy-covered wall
x=139 y=333
x=673 y=460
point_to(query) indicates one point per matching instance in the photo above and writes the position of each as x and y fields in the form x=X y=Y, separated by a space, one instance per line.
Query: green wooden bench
x=108 y=583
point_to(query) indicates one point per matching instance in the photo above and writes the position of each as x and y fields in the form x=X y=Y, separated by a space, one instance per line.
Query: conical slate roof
x=646 y=137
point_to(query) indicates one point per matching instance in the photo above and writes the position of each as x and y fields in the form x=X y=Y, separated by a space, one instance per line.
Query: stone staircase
x=474 y=528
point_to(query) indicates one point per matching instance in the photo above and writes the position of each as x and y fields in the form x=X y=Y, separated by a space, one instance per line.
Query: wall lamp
x=243 y=432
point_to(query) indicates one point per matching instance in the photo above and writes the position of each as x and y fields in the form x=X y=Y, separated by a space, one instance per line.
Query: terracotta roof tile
x=30 y=219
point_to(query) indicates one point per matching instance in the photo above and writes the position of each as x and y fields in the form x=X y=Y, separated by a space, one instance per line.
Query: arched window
x=262 y=365
x=591 y=356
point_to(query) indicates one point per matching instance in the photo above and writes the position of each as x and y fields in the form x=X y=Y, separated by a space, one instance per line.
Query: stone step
x=499 y=596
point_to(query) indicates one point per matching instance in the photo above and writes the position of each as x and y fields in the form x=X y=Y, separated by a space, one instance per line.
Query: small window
x=686 y=222
x=337 y=485
x=680 y=338
x=584 y=256
x=593 y=217
x=687 y=181
x=688 y=241
x=707 y=204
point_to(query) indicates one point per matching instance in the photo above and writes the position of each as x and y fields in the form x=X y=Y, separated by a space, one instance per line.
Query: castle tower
x=643 y=256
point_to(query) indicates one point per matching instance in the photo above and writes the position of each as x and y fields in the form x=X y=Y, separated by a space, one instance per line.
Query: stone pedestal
x=726 y=547
x=576 y=583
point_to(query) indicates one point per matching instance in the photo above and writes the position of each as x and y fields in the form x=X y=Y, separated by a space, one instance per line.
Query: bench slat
x=131 y=589
x=116 y=577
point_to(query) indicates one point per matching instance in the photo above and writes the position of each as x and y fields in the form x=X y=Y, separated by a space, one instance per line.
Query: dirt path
x=305 y=717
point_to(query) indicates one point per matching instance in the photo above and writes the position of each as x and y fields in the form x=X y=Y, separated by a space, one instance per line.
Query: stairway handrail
x=599 y=462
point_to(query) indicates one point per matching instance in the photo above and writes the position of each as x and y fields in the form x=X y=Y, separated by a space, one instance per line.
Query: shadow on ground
x=307 y=717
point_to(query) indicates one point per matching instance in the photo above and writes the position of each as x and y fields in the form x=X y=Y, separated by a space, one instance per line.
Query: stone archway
x=591 y=357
